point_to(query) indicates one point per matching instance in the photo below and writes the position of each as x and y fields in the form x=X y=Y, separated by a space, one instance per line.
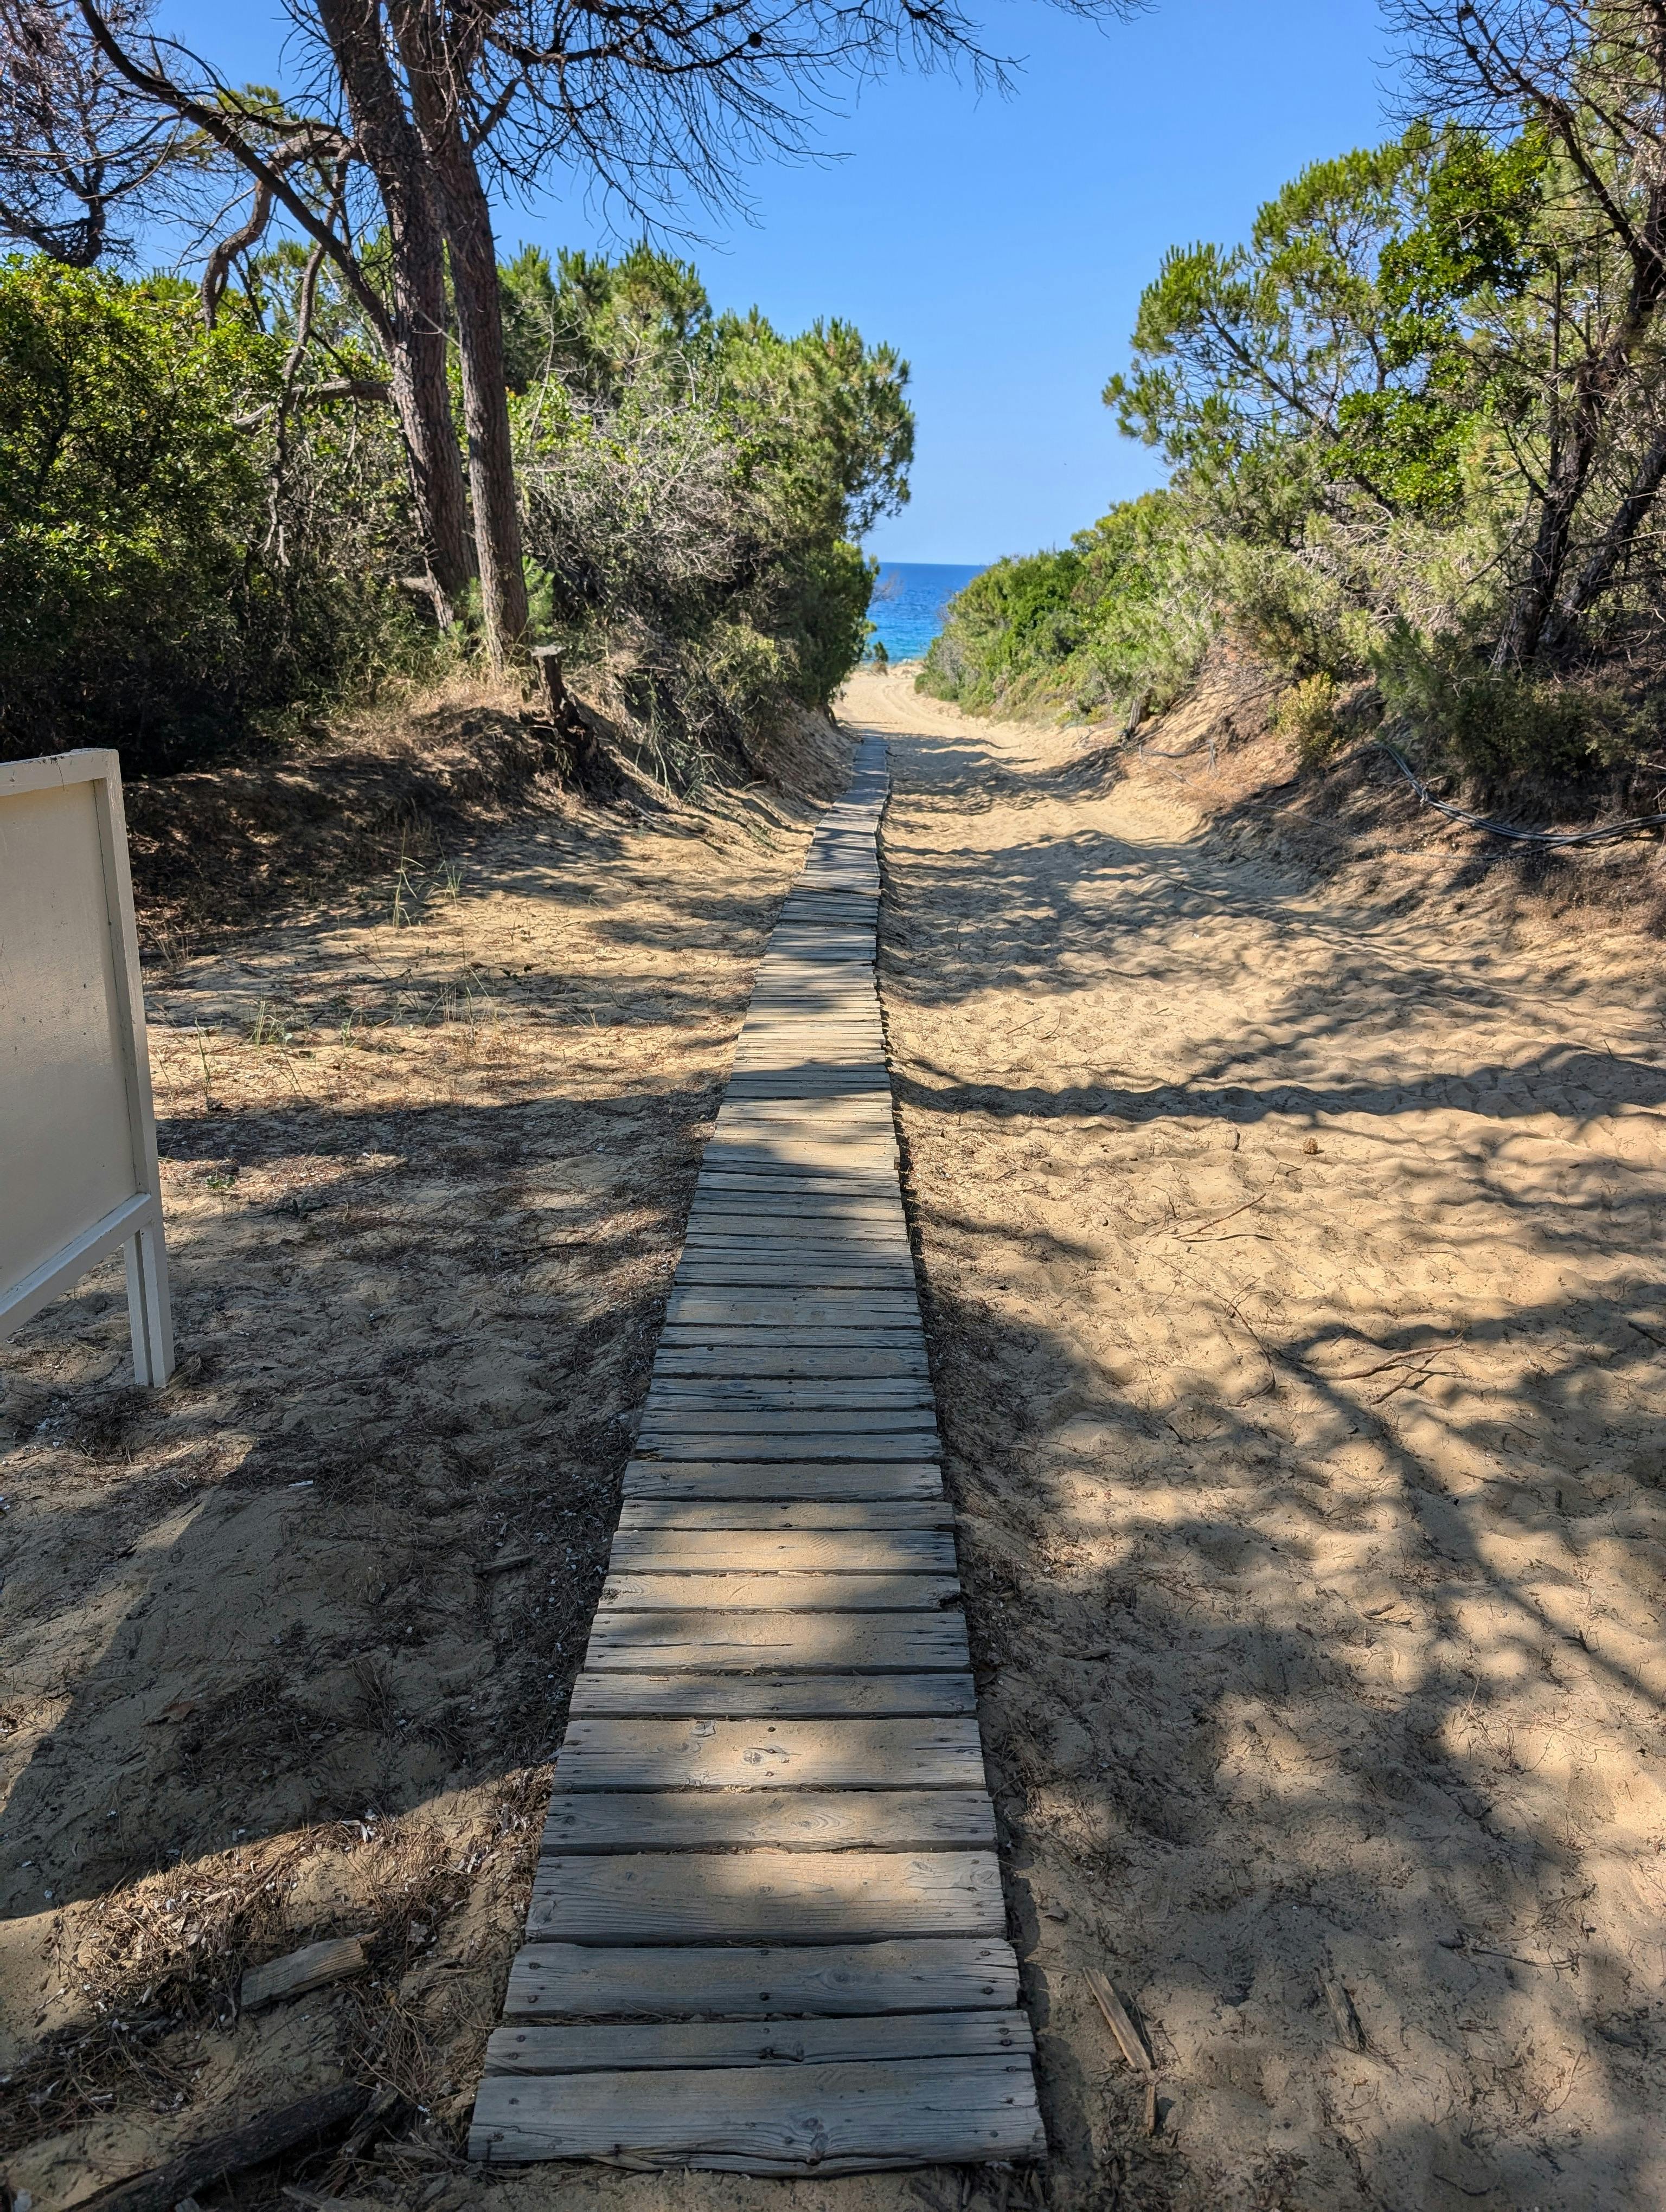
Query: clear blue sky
x=1002 y=243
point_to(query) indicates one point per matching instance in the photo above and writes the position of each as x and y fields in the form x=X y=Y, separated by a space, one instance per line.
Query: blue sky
x=1002 y=244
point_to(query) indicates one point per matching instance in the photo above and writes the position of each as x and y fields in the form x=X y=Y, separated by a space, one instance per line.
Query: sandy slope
x=1298 y=1333
x=1293 y=1268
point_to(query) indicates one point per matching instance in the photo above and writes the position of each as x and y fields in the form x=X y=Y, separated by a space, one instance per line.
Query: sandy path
x=1294 y=1267
x=285 y=1647
x=1307 y=1664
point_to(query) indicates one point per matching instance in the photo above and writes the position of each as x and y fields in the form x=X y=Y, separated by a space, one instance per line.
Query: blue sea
x=909 y=600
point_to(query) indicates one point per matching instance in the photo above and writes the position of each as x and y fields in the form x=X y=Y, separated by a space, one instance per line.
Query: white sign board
x=77 y=1135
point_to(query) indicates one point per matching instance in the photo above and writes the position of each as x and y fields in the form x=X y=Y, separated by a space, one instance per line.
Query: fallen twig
x=235 y=2152
x=1186 y=1236
x=1128 y=2037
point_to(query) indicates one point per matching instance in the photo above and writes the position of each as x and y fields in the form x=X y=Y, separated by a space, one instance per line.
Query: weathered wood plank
x=726 y=1213
x=829 y=1552
x=738 y=1386
x=765 y=1897
x=791 y=1820
x=595 y=2048
x=788 y=1181
x=787 y=1363
x=809 y=1643
x=778 y=1697
x=810 y=1445
x=745 y=1591
x=739 y=1513
x=711 y=1307
x=855 y=1326
x=768 y=2119
x=759 y=1755
x=763 y=1236
x=567 y=1981
x=792 y=1480
x=738 y=1416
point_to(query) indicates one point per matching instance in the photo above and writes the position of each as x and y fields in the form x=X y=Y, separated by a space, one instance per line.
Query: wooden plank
x=788 y=1820
x=595 y=2048
x=754 y=1168
x=765 y=1897
x=729 y=1378
x=879 y=1321
x=793 y=1481
x=803 y=1282
x=792 y=1179
x=739 y=1415
x=675 y=1396
x=780 y=2120
x=829 y=1552
x=713 y=1306
x=805 y=1642
x=755 y=1234
x=767 y=1213
x=787 y=1363
x=733 y=1226
x=777 y=1594
x=778 y=1697
x=785 y=1513
x=760 y=1754
x=733 y=1446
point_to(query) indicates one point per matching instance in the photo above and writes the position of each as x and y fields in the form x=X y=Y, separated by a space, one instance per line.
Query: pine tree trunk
x=433 y=70
x=485 y=403
x=421 y=387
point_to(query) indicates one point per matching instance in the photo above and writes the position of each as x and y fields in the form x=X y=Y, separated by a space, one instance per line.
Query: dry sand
x=1291 y=1272
x=1293 y=1268
x=286 y=1647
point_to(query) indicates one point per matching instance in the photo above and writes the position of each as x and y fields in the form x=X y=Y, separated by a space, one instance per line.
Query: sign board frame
x=134 y=1222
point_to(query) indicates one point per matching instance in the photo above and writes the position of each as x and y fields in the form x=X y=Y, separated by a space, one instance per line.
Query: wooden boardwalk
x=767 y=1931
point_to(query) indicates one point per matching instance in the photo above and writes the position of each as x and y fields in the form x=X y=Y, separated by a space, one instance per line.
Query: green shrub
x=1307 y=714
x=1119 y=618
x=162 y=585
x=1495 y=723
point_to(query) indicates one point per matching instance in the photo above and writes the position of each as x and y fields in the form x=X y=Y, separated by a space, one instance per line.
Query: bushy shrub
x=1307 y=714
x=692 y=485
x=1494 y=724
x=1117 y=620
x=163 y=584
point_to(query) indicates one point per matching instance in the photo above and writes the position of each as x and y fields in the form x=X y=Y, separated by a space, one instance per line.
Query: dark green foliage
x=1497 y=723
x=693 y=485
x=1415 y=429
x=158 y=590
x=1118 y=619
x=196 y=546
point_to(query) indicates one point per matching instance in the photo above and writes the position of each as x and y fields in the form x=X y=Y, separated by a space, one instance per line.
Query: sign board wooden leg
x=149 y=1311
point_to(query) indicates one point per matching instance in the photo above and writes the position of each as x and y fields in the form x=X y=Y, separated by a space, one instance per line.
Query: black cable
x=1507 y=829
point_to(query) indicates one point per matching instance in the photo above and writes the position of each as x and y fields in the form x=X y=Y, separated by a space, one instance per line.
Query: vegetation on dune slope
x=1414 y=428
x=207 y=537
